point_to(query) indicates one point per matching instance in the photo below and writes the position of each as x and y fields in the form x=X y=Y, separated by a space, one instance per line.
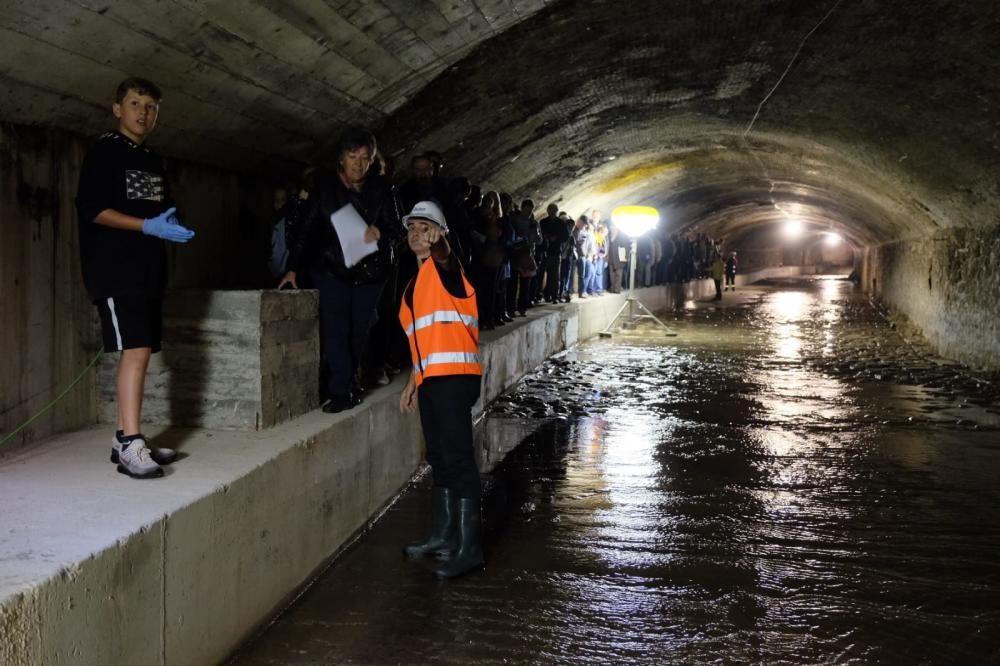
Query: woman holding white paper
x=348 y=292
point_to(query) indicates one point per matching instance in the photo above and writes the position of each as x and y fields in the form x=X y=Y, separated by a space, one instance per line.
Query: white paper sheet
x=350 y=228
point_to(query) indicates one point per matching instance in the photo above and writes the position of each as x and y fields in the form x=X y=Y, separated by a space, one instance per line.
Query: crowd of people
x=515 y=258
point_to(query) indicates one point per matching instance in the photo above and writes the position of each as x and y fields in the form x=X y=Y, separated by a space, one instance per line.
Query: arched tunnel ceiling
x=885 y=124
x=884 y=121
x=244 y=81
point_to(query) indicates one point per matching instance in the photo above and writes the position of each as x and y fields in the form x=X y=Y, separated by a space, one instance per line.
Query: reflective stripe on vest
x=441 y=358
x=441 y=317
x=442 y=329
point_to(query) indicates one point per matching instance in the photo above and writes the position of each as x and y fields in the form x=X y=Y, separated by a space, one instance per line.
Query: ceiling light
x=792 y=228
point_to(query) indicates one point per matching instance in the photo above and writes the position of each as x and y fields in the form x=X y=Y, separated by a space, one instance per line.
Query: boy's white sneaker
x=159 y=456
x=134 y=459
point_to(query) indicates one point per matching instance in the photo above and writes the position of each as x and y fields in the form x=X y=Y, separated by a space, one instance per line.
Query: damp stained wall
x=948 y=285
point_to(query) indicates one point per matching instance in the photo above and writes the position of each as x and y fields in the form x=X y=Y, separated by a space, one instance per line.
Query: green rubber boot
x=470 y=541
x=443 y=539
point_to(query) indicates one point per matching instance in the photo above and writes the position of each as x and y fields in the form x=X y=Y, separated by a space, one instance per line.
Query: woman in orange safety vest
x=441 y=321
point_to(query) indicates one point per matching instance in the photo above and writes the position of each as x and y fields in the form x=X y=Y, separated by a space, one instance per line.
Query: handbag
x=524 y=262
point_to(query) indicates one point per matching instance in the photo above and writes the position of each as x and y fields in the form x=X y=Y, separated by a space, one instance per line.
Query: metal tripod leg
x=631 y=303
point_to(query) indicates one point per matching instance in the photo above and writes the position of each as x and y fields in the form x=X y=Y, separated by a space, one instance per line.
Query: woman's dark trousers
x=346 y=313
x=446 y=416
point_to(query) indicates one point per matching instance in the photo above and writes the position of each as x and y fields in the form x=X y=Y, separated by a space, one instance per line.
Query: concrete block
x=497 y=438
x=509 y=355
x=109 y=600
x=275 y=306
x=340 y=465
x=20 y=627
x=240 y=360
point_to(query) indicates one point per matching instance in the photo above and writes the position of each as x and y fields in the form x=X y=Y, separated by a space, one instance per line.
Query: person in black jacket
x=282 y=211
x=554 y=236
x=348 y=295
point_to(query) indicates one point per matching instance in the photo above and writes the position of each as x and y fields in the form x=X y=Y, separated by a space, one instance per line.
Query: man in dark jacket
x=554 y=235
x=422 y=185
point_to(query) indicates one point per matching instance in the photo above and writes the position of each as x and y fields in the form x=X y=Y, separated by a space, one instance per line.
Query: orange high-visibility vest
x=443 y=330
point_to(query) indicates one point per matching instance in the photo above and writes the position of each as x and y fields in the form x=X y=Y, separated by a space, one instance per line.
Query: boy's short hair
x=140 y=86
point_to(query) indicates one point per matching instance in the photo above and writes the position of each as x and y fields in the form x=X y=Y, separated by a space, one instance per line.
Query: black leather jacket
x=316 y=246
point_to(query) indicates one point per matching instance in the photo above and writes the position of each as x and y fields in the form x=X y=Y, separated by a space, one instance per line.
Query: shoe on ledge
x=160 y=456
x=339 y=403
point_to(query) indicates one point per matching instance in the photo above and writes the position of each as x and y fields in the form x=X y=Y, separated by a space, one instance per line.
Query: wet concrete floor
x=791 y=479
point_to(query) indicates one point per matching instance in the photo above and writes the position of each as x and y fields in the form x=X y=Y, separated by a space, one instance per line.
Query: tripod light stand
x=634 y=221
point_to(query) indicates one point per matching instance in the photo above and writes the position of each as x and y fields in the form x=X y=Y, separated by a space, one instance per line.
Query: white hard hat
x=427 y=211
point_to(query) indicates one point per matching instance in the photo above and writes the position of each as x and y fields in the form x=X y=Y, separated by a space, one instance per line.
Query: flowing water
x=790 y=479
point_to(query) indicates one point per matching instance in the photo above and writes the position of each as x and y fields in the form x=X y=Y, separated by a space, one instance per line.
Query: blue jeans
x=588 y=277
x=599 y=267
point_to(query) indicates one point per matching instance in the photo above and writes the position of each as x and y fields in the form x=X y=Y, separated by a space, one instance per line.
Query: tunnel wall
x=820 y=253
x=757 y=258
x=49 y=329
x=947 y=285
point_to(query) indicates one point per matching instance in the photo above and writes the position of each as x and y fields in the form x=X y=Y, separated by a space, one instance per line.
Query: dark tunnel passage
x=862 y=119
x=829 y=138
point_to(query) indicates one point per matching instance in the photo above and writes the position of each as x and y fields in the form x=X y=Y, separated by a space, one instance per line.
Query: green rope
x=54 y=401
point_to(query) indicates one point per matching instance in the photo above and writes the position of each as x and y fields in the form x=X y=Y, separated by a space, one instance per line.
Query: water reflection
x=763 y=507
x=635 y=497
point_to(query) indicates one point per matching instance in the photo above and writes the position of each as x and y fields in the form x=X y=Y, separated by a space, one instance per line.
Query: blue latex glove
x=167 y=226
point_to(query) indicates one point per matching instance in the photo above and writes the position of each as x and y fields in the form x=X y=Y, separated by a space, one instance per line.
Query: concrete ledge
x=198 y=560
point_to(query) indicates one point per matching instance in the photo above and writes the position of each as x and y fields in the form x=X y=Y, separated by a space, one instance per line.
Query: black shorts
x=131 y=322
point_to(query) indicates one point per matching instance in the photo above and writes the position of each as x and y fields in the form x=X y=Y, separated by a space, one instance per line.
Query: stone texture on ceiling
x=885 y=124
x=245 y=81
